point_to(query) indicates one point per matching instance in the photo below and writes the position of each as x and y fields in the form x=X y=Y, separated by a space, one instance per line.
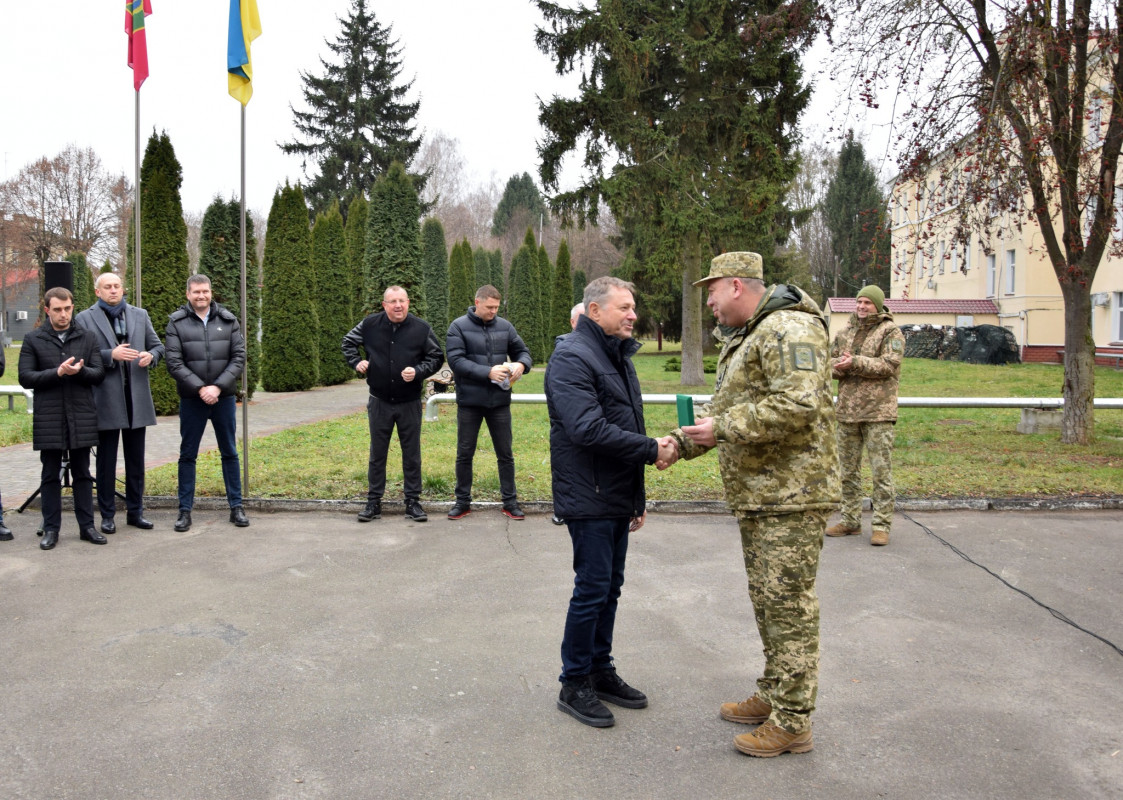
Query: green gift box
x=685 y=405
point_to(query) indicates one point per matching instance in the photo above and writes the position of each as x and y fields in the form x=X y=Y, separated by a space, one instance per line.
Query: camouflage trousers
x=877 y=439
x=781 y=560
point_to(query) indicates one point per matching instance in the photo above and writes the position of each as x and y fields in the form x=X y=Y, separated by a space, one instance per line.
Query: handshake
x=701 y=433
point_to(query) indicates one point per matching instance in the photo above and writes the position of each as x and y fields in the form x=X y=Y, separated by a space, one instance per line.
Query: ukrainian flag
x=245 y=26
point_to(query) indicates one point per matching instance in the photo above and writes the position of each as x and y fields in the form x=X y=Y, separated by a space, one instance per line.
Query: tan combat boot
x=751 y=712
x=842 y=529
x=879 y=537
x=771 y=740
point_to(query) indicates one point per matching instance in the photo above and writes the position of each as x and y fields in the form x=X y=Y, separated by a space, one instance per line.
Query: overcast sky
x=65 y=80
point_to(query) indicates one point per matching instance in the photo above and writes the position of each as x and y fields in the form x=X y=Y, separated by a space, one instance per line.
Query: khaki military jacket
x=867 y=392
x=773 y=414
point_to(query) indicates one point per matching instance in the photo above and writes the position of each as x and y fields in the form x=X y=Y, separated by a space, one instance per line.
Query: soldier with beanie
x=866 y=360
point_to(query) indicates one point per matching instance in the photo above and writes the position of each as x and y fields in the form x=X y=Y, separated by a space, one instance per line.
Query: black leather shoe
x=578 y=699
x=415 y=512
x=238 y=517
x=372 y=510
x=557 y=520
x=513 y=511
x=49 y=540
x=611 y=688
x=460 y=510
x=90 y=535
x=5 y=532
x=138 y=522
x=108 y=525
x=183 y=522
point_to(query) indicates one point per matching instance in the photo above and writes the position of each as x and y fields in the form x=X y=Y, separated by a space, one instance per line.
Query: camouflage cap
x=735 y=265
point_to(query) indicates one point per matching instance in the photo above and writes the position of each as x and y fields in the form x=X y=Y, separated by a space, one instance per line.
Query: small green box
x=685 y=405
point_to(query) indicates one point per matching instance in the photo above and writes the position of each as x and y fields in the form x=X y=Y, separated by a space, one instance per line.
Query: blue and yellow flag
x=245 y=26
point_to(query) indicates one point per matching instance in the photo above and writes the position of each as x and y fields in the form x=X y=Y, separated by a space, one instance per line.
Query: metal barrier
x=431 y=413
x=12 y=391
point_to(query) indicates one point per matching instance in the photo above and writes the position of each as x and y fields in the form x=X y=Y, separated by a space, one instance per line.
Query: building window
x=991 y=274
x=1090 y=215
x=943 y=256
x=1010 y=262
x=1117 y=227
x=1117 y=317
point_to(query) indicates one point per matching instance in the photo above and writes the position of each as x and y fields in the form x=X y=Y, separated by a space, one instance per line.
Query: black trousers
x=132 y=440
x=382 y=416
x=51 y=487
x=468 y=419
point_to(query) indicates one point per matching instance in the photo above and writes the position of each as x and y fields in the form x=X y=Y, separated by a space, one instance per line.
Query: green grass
x=939 y=452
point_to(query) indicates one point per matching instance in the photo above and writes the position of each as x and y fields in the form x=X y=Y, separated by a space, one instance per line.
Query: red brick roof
x=845 y=305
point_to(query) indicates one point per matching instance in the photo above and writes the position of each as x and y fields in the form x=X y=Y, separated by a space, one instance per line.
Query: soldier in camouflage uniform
x=866 y=359
x=773 y=423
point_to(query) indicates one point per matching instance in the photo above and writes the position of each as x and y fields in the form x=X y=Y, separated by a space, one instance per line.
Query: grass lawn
x=939 y=452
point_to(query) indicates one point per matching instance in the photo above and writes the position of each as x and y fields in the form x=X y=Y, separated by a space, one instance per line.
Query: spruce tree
x=461 y=292
x=393 y=244
x=358 y=121
x=855 y=212
x=521 y=204
x=333 y=294
x=356 y=232
x=562 y=294
x=163 y=251
x=220 y=259
x=434 y=260
x=84 y=296
x=290 y=351
x=496 y=280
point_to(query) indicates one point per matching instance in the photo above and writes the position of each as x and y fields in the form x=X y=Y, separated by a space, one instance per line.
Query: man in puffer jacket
x=866 y=359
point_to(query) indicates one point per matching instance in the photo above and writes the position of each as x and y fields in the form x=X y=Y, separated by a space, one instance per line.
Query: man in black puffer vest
x=401 y=352
x=61 y=363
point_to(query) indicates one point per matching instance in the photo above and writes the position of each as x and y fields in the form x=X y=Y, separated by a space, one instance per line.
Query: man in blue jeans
x=598 y=449
x=206 y=353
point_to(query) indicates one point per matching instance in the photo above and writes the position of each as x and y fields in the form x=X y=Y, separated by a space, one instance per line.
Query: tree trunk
x=692 y=372
x=1078 y=422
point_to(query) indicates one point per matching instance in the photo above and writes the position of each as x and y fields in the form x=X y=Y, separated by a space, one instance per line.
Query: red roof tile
x=845 y=305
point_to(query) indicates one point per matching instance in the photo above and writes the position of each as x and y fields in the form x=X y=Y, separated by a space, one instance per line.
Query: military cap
x=734 y=265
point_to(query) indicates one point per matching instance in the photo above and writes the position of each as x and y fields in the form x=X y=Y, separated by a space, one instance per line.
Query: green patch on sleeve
x=803 y=356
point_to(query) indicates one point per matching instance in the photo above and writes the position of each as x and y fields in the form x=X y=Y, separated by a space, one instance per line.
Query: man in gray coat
x=129 y=349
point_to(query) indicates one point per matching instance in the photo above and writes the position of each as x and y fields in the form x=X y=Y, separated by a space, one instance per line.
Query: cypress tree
x=333 y=294
x=563 y=291
x=163 y=251
x=356 y=232
x=496 y=280
x=106 y=267
x=481 y=266
x=434 y=260
x=393 y=244
x=290 y=352
x=523 y=299
x=84 y=296
x=461 y=292
x=545 y=301
x=579 y=284
x=220 y=260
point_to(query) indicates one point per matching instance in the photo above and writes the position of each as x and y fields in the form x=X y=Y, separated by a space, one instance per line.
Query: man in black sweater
x=401 y=352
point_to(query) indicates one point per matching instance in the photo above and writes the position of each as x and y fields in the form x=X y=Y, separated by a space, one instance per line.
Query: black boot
x=611 y=688
x=579 y=700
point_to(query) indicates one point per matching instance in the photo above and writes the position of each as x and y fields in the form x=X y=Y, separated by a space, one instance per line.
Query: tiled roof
x=845 y=305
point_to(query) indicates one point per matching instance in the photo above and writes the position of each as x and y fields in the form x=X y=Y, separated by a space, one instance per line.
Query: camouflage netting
x=980 y=344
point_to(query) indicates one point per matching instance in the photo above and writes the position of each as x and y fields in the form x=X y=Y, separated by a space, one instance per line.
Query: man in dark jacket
x=206 y=354
x=61 y=364
x=486 y=356
x=5 y=532
x=598 y=449
x=401 y=352
x=124 y=398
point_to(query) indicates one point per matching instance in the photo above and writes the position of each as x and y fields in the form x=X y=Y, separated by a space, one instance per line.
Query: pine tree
x=220 y=259
x=496 y=279
x=358 y=121
x=562 y=294
x=333 y=291
x=163 y=251
x=434 y=260
x=461 y=292
x=356 y=232
x=84 y=296
x=290 y=352
x=856 y=217
x=393 y=244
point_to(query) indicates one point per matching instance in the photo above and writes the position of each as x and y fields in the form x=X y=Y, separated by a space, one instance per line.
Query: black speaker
x=58 y=273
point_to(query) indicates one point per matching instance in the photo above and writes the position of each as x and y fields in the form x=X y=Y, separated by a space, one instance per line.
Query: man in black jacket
x=401 y=352
x=486 y=356
x=598 y=449
x=206 y=354
x=61 y=363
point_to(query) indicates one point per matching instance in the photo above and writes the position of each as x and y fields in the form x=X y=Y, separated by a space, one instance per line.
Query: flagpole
x=136 y=201
x=246 y=333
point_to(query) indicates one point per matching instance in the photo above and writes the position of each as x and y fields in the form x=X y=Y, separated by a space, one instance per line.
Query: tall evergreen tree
x=393 y=248
x=524 y=300
x=356 y=232
x=481 y=267
x=562 y=294
x=163 y=251
x=358 y=121
x=84 y=296
x=461 y=292
x=579 y=284
x=220 y=259
x=333 y=294
x=545 y=300
x=496 y=279
x=434 y=260
x=856 y=217
x=290 y=346
x=106 y=267
x=521 y=204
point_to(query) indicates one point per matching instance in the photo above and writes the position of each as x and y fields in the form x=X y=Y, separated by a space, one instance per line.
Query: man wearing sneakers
x=866 y=359
x=486 y=356
x=401 y=352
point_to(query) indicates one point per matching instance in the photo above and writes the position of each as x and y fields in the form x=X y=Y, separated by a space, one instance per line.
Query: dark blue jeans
x=223 y=416
x=600 y=547
x=468 y=419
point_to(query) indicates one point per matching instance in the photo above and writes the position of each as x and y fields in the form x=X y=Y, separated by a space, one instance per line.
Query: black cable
x=1022 y=592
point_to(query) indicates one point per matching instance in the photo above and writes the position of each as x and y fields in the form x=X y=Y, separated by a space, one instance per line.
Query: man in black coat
x=129 y=349
x=206 y=354
x=61 y=364
x=486 y=356
x=598 y=449
x=5 y=532
x=401 y=352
